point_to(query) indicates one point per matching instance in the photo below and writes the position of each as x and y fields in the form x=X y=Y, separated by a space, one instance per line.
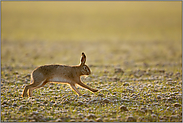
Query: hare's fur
x=59 y=74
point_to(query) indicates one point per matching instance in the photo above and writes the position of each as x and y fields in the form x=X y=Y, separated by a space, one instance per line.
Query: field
x=133 y=49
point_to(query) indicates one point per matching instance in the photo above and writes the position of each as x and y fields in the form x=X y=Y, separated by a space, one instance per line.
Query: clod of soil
x=123 y=108
x=91 y=116
x=99 y=120
x=177 y=105
x=130 y=119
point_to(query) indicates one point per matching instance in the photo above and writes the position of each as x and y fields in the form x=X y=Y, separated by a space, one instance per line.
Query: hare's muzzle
x=89 y=73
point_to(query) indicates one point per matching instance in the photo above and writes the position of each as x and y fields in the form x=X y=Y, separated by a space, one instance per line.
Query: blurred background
x=110 y=33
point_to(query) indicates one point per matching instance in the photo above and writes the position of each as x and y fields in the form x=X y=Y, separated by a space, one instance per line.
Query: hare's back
x=51 y=69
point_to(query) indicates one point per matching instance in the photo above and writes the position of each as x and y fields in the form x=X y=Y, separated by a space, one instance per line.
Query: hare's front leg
x=75 y=89
x=85 y=86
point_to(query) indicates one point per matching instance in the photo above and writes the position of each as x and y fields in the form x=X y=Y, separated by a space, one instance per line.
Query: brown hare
x=59 y=74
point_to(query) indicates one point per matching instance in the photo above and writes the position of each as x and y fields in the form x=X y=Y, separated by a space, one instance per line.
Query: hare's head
x=85 y=70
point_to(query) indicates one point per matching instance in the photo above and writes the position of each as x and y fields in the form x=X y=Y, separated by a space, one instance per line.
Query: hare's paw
x=94 y=90
x=24 y=95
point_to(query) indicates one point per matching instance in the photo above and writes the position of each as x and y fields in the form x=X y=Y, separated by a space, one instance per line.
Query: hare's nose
x=89 y=73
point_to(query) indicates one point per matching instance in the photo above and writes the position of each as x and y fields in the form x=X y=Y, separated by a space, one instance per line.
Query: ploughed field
x=129 y=91
x=136 y=63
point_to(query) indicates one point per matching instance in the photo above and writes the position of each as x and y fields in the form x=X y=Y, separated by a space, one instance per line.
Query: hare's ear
x=83 y=59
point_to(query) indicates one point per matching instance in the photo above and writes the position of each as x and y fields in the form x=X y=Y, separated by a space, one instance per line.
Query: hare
x=59 y=74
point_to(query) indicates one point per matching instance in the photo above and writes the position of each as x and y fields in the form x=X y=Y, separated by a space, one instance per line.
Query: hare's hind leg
x=32 y=88
x=36 y=83
x=24 y=94
x=87 y=87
